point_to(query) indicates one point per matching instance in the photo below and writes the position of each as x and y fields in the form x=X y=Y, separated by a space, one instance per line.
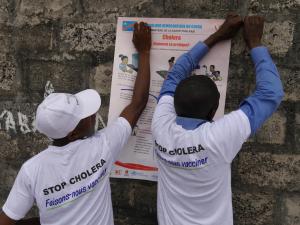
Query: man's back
x=194 y=152
x=194 y=166
x=71 y=183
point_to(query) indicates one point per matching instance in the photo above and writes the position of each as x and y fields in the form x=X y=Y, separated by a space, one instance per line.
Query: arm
x=19 y=201
x=5 y=220
x=268 y=92
x=142 y=42
x=188 y=61
x=31 y=221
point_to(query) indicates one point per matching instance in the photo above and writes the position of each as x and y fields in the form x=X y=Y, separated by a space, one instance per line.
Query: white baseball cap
x=60 y=113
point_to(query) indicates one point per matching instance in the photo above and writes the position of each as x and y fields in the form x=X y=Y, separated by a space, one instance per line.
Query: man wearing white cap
x=69 y=181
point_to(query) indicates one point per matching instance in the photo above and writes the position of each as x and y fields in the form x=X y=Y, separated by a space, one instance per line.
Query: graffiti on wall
x=19 y=122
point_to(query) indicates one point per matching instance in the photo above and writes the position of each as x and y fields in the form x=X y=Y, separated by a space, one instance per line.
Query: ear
x=73 y=135
x=213 y=112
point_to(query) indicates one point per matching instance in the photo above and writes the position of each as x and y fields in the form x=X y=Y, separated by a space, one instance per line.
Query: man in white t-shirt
x=194 y=153
x=69 y=181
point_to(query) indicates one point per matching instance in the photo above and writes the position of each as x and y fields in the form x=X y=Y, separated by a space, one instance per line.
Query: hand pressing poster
x=170 y=39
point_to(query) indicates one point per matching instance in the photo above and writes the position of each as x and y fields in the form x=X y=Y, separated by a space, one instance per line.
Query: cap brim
x=89 y=101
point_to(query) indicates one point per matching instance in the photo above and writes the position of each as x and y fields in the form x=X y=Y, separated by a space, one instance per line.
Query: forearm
x=142 y=82
x=213 y=39
x=5 y=220
x=140 y=92
x=183 y=68
x=268 y=92
x=31 y=221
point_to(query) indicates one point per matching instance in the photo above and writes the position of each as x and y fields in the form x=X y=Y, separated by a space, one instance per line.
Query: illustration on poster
x=164 y=73
x=129 y=68
x=212 y=73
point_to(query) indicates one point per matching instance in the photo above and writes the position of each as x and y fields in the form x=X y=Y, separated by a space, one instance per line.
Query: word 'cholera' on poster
x=170 y=39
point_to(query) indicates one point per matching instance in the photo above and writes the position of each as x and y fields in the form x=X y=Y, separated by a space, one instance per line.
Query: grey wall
x=69 y=45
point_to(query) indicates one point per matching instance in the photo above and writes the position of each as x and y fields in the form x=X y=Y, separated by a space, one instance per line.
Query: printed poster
x=170 y=39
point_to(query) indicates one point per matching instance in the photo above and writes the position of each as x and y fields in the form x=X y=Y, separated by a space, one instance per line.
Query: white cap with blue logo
x=60 y=113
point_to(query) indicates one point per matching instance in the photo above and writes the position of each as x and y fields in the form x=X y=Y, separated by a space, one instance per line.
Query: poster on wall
x=170 y=39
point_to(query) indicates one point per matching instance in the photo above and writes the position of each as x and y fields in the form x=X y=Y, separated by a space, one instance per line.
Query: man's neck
x=189 y=123
x=61 y=142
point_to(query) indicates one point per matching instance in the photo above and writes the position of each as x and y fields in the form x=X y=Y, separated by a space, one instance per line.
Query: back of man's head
x=197 y=97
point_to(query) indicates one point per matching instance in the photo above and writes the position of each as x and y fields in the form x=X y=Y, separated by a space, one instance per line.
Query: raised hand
x=142 y=37
x=227 y=30
x=253 y=30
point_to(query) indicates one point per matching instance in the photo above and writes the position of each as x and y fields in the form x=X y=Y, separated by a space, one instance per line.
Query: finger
x=146 y=25
x=232 y=14
x=135 y=26
x=246 y=20
x=241 y=20
x=148 y=28
x=142 y=25
x=256 y=20
x=261 y=19
x=238 y=19
x=251 y=20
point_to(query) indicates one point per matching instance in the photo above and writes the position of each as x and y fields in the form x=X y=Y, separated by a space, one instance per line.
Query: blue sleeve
x=268 y=92
x=183 y=68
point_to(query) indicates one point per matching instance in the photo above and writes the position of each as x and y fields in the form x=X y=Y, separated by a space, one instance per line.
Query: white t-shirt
x=194 y=181
x=70 y=184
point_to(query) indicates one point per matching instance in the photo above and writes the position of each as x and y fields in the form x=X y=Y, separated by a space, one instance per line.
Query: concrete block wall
x=68 y=45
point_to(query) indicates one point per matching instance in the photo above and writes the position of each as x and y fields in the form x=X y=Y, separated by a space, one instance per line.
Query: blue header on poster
x=128 y=26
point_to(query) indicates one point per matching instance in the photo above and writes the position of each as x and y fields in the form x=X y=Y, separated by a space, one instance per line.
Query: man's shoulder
x=231 y=127
x=166 y=99
x=117 y=124
x=98 y=134
x=236 y=117
x=165 y=108
x=36 y=159
x=115 y=131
